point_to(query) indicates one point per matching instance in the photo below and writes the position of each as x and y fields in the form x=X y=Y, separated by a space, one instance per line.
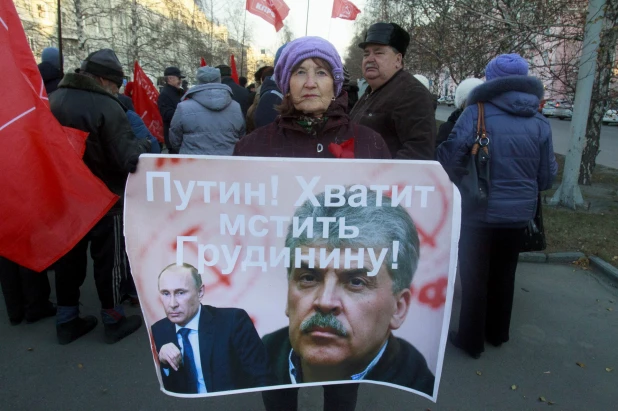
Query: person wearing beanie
x=50 y=69
x=207 y=120
x=461 y=94
x=241 y=94
x=395 y=104
x=168 y=100
x=86 y=101
x=523 y=164
x=313 y=123
x=269 y=97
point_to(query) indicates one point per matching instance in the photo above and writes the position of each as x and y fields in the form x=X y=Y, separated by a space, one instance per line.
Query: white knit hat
x=464 y=89
x=423 y=80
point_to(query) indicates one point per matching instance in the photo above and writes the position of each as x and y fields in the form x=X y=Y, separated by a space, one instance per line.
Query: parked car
x=549 y=108
x=448 y=100
x=563 y=109
x=610 y=117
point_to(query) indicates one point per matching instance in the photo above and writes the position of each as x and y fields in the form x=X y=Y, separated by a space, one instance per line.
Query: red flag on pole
x=345 y=10
x=145 y=96
x=273 y=11
x=234 y=71
x=202 y=62
x=50 y=199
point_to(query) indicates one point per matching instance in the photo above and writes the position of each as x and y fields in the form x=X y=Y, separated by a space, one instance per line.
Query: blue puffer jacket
x=207 y=121
x=522 y=154
x=141 y=131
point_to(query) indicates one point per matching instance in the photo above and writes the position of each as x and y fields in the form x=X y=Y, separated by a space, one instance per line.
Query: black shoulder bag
x=474 y=186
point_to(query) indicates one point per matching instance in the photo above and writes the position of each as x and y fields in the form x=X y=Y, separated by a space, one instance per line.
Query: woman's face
x=311 y=88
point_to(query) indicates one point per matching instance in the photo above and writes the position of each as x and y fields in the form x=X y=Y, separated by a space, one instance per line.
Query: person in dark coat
x=395 y=104
x=270 y=97
x=50 y=69
x=141 y=131
x=168 y=99
x=313 y=124
x=241 y=94
x=350 y=87
x=522 y=164
x=86 y=101
x=26 y=293
x=461 y=95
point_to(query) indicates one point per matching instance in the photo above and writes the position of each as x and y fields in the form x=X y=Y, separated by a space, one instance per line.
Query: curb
x=601 y=265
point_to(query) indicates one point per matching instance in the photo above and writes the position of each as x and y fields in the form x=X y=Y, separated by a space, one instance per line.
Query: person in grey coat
x=207 y=120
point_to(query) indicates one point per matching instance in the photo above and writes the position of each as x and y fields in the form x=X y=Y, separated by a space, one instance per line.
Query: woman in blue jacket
x=522 y=164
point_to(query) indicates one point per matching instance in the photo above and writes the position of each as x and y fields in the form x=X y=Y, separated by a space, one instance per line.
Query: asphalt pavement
x=562 y=316
x=561 y=134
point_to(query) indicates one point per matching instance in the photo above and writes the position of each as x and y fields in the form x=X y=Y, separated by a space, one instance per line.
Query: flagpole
x=242 y=45
x=307 y=24
x=60 y=39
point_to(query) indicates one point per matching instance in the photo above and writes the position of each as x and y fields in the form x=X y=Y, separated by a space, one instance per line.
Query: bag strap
x=481 y=133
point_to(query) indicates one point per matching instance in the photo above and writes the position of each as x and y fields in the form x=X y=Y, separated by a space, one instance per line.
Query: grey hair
x=197 y=278
x=378 y=227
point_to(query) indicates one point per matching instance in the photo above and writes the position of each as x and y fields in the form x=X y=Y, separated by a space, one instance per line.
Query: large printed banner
x=258 y=273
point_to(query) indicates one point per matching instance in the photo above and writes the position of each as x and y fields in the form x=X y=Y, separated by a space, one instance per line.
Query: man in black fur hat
x=396 y=105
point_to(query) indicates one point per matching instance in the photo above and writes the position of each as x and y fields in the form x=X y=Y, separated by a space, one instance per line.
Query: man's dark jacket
x=112 y=151
x=51 y=76
x=402 y=112
x=231 y=352
x=239 y=94
x=168 y=100
x=270 y=96
x=446 y=127
x=401 y=363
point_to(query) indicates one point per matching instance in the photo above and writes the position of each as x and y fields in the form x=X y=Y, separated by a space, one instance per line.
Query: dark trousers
x=340 y=397
x=110 y=265
x=487 y=264
x=25 y=291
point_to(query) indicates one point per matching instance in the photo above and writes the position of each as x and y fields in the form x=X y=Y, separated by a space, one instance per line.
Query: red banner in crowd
x=50 y=198
x=202 y=62
x=234 y=71
x=272 y=11
x=344 y=9
x=145 y=96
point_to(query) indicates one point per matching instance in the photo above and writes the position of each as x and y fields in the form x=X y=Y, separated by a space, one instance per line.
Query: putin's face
x=340 y=318
x=179 y=295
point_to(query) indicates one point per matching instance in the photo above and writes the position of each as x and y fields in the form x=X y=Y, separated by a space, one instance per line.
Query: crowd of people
x=303 y=106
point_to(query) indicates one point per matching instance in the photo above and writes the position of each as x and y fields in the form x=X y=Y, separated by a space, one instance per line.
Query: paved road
x=561 y=133
x=560 y=318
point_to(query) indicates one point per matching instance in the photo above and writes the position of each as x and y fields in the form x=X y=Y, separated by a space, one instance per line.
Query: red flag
x=345 y=10
x=202 y=62
x=234 y=71
x=145 y=96
x=273 y=11
x=50 y=199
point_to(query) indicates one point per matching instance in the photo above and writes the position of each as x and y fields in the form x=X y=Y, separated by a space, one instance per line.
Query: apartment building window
x=41 y=11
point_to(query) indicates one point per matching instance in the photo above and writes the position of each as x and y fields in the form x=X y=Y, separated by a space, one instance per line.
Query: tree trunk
x=600 y=93
x=134 y=26
x=81 y=36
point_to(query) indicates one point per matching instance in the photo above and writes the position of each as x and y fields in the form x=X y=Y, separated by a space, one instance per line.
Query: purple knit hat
x=301 y=49
x=506 y=65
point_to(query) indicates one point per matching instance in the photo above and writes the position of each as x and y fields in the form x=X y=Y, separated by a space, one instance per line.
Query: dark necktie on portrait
x=188 y=361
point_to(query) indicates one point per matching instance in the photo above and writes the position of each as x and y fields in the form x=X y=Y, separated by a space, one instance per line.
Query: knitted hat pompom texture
x=506 y=65
x=464 y=89
x=301 y=49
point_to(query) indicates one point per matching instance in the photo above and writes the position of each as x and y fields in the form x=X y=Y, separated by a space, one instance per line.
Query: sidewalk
x=560 y=318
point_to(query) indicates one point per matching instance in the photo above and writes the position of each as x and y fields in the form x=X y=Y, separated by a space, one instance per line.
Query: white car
x=610 y=117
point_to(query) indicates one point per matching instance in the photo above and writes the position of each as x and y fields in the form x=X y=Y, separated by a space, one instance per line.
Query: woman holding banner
x=313 y=123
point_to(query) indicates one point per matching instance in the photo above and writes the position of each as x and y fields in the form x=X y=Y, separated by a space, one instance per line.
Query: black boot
x=72 y=330
x=125 y=326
